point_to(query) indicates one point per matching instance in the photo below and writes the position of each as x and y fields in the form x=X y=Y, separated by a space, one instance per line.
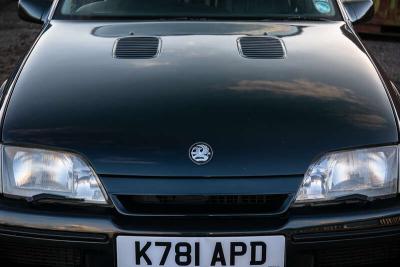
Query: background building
x=386 y=20
x=387 y=12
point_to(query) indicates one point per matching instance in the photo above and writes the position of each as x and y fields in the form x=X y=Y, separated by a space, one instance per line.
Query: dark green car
x=199 y=133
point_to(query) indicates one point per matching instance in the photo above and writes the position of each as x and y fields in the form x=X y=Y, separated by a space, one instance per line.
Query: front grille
x=375 y=254
x=206 y=204
x=17 y=254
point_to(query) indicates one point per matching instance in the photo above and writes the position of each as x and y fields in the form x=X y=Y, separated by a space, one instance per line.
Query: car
x=199 y=133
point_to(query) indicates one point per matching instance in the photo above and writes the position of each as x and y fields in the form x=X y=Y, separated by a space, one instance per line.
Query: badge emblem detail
x=200 y=153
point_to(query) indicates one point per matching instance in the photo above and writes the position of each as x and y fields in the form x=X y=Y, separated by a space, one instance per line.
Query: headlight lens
x=28 y=172
x=369 y=172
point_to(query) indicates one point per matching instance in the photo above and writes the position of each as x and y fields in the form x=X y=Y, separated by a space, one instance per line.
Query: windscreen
x=198 y=9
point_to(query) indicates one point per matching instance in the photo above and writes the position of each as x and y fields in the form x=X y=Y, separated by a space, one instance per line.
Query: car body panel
x=62 y=219
x=139 y=117
x=135 y=120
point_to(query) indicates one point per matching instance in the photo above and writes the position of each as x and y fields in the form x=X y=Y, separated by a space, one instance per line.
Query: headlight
x=369 y=173
x=28 y=172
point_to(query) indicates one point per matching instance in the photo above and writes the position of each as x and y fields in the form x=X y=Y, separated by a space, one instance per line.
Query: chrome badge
x=200 y=153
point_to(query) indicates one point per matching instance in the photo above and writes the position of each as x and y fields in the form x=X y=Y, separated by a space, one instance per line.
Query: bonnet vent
x=264 y=47
x=137 y=47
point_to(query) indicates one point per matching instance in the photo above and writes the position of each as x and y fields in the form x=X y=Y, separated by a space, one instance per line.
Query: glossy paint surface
x=139 y=117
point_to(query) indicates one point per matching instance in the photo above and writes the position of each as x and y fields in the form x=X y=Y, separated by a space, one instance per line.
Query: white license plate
x=264 y=251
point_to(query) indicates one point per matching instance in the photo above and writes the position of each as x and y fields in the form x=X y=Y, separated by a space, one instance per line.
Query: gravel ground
x=16 y=37
x=388 y=55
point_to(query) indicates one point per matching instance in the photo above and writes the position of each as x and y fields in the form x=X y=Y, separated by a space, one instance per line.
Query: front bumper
x=61 y=237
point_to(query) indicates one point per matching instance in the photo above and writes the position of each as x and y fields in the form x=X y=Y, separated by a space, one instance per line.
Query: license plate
x=264 y=251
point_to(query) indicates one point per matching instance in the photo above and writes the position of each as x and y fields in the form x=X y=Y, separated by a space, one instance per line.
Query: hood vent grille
x=262 y=47
x=137 y=47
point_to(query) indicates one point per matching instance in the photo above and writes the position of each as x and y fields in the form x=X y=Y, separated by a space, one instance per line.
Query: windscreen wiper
x=307 y=18
x=52 y=198
x=296 y=18
x=183 y=18
x=354 y=198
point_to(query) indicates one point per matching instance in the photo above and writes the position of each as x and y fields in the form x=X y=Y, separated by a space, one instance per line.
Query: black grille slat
x=202 y=204
x=377 y=254
x=137 y=47
x=261 y=47
x=16 y=254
